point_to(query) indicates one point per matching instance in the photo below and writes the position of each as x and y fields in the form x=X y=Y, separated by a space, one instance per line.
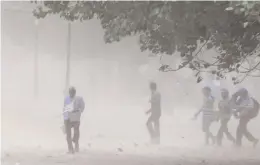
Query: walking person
x=224 y=114
x=247 y=108
x=73 y=107
x=153 y=122
x=208 y=114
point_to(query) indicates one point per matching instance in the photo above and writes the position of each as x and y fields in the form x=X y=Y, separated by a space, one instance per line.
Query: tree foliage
x=165 y=27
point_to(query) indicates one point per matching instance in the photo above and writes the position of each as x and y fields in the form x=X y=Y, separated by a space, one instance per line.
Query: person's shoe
x=76 y=147
x=70 y=152
x=219 y=144
x=255 y=142
x=238 y=145
x=214 y=140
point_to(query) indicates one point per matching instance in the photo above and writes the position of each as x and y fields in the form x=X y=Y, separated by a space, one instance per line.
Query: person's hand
x=75 y=111
x=236 y=115
x=147 y=112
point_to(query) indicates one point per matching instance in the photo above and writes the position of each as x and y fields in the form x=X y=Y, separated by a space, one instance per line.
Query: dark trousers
x=153 y=126
x=242 y=131
x=68 y=126
x=224 y=130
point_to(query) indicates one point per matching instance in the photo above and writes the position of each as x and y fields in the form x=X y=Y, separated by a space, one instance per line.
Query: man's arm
x=155 y=102
x=64 y=104
x=197 y=113
x=219 y=106
x=149 y=111
x=82 y=105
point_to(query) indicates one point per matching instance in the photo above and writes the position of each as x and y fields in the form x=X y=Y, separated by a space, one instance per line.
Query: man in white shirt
x=73 y=107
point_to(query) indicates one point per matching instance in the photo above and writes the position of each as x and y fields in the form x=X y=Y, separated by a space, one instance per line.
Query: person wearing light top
x=224 y=114
x=208 y=114
x=73 y=107
x=246 y=109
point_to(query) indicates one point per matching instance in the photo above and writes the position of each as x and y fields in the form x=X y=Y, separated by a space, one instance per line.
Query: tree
x=190 y=28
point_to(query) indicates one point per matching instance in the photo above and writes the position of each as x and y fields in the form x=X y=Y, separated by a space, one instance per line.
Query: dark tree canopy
x=164 y=28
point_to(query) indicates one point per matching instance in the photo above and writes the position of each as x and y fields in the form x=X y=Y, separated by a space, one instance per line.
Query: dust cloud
x=113 y=80
x=114 y=116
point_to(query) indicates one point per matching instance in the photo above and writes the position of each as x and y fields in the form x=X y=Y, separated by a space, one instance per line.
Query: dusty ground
x=31 y=135
x=152 y=156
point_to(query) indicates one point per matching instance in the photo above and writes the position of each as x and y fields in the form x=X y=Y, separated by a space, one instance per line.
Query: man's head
x=206 y=91
x=153 y=86
x=243 y=93
x=239 y=96
x=72 y=92
x=224 y=93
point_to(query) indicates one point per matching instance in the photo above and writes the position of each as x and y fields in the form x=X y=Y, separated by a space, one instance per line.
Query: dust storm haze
x=114 y=81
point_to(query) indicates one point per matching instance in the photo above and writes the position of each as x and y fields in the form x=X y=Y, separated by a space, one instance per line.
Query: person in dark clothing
x=208 y=114
x=73 y=107
x=153 y=122
x=224 y=114
x=246 y=109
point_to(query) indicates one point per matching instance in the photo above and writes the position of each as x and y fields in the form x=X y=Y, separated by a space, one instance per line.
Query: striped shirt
x=208 y=106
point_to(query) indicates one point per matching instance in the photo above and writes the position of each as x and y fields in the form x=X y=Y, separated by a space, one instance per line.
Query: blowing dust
x=114 y=116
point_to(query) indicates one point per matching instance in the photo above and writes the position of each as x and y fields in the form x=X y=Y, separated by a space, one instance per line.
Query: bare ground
x=142 y=155
x=115 y=137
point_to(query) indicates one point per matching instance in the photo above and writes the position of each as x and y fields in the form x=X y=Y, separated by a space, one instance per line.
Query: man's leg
x=228 y=134
x=205 y=129
x=76 y=135
x=240 y=131
x=248 y=135
x=157 y=130
x=210 y=135
x=150 y=127
x=68 y=134
x=220 y=133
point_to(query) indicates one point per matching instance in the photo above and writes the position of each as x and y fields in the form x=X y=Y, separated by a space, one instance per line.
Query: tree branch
x=251 y=69
x=181 y=67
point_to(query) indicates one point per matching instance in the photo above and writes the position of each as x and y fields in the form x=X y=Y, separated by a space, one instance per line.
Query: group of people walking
x=240 y=105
